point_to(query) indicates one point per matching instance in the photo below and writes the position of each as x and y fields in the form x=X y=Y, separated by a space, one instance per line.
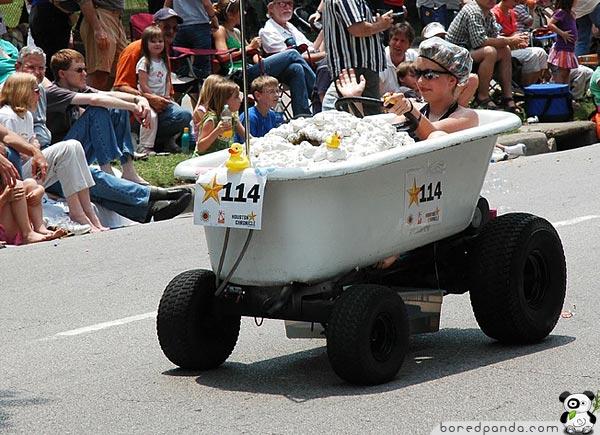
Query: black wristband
x=408 y=115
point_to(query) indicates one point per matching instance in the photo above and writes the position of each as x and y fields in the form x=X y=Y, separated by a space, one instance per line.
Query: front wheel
x=367 y=335
x=519 y=280
x=191 y=332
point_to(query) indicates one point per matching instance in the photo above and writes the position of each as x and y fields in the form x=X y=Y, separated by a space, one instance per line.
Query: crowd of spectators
x=80 y=110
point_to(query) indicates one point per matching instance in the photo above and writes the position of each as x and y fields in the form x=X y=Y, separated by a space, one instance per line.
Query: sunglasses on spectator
x=79 y=70
x=284 y=4
x=430 y=74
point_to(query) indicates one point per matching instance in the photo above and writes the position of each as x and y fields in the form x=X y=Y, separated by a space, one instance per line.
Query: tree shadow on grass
x=307 y=375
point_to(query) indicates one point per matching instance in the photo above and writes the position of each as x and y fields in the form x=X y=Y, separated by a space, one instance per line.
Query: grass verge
x=158 y=170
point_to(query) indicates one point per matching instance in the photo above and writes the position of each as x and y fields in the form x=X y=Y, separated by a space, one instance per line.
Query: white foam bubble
x=359 y=138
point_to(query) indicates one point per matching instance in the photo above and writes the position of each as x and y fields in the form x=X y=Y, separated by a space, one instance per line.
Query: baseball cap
x=166 y=13
x=433 y=29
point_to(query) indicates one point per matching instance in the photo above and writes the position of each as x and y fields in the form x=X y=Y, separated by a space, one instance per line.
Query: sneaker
x=163 y=210
x=498 y=155
x=139 y=156
x=73 y=227
x=515 y=150
x=149 y=151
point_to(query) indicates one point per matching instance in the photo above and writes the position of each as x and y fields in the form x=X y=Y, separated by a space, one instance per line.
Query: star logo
x=413 y=193
x=252 y=216
x=211 y=190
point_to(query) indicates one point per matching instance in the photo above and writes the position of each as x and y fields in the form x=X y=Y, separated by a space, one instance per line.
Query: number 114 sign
x=230 y=199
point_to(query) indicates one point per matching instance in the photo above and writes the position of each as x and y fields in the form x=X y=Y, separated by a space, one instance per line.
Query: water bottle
x=227 y=120
x=185 y=140
x=279 y=113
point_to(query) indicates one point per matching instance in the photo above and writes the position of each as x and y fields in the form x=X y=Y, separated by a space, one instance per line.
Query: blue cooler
x=550 y=102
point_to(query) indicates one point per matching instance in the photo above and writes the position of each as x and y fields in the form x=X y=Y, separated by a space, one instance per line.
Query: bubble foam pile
x=301 y=142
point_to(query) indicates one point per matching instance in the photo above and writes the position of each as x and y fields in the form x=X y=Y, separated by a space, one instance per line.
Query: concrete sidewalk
x=552 y=136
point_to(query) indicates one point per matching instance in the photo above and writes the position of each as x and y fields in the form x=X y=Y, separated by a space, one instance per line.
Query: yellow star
x=414 y=193
x=252 y=216
x=211 y=190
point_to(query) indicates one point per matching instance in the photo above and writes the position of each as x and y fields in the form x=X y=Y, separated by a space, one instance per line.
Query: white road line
x=576 y=220
x=125 y=320
x=105 y=325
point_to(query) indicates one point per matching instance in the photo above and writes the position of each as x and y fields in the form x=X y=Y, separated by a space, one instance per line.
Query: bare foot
x=81 y=219
x=34 y=237
x=57 y=234
x=96 y=224
x=42 y=230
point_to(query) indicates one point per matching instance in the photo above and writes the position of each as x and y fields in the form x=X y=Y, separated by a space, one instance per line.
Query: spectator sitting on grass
x=172 y=118
x=21 y=214
x=261 y=117
x=97 y=119
x=534 y=60
x=65 y=162
x=18 y=98
x=474 y=28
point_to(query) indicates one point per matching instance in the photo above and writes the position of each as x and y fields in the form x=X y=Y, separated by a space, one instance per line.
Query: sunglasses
x=430 y=74
x=284 y=4
x=36 y=91
x=80 y=70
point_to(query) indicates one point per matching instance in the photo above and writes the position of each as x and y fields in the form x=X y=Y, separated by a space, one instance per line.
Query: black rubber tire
x=520 y=278
x=190 y=333
x=367 y=335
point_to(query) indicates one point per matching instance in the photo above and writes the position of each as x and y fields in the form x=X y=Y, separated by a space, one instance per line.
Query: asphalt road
x=79 y=353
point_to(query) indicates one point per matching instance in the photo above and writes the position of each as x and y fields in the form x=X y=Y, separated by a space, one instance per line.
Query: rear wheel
x=192 y=334
x=519 y=278
x=367 y=335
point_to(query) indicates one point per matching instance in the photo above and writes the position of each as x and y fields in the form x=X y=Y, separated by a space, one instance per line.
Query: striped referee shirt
x=345 y=50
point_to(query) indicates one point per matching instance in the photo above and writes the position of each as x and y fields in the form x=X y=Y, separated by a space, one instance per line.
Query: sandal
x=486 y=103
x=509 y=108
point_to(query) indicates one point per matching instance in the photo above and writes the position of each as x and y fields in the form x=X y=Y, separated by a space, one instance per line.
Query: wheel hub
x=383 y=337
x=535 y=279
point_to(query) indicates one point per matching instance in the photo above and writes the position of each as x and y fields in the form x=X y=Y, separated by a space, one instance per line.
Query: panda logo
x=577 y=417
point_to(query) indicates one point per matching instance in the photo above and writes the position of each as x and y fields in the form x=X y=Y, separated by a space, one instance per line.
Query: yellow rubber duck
x=238 y=161
x=333 y=141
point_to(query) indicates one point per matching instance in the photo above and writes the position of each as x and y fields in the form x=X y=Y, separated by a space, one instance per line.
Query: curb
x=555 y=136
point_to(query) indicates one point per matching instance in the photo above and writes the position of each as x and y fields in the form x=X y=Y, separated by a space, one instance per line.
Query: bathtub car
x=323 y=230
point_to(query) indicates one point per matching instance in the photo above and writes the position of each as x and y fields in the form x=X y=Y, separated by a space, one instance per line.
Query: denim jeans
x=15 y=159
x=290 y=68
x=171 y=121
x=105 y=135
x=584 y=31
x=195 y=36
x=122 y=196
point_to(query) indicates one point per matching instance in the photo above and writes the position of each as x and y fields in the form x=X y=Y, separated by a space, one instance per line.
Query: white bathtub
x=320 y=223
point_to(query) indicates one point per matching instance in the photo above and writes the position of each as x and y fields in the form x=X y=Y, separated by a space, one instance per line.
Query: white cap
x=433 y=29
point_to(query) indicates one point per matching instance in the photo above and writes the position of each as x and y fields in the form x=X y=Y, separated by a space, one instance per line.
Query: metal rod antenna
x=244 y=75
